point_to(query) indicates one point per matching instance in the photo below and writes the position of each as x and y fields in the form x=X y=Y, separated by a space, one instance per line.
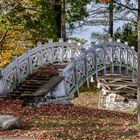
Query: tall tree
x=57 y=9
x=24 y=22
x=107 y=15
x=128 y=33
x=131 y=7
x=63 y=22
x=138 y=71
x=111 y=19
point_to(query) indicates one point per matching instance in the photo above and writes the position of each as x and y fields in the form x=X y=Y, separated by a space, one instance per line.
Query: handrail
x=31 y=60
x=100 y=57
x=83 y=63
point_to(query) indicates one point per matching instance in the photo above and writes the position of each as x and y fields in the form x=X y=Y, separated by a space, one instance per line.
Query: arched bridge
x=81 y=63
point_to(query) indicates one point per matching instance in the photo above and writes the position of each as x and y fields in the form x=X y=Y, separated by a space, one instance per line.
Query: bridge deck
x=117 y=84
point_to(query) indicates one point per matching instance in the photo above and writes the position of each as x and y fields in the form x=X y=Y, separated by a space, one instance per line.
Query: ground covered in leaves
x=81 y=121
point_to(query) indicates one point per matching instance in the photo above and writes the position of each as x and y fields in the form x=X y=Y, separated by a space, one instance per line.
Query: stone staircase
x=38 y=81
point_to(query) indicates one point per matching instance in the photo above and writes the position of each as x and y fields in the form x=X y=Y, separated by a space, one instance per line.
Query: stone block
x=8 y=122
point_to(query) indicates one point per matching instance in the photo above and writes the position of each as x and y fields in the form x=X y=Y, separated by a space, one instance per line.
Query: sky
x=86 y=31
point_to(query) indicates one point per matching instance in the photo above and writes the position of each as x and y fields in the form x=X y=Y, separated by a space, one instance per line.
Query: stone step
x=40 y=78
x=22 y=89
x=26 y=89
x=31 y=86
x=33 y=82
x=17 y=92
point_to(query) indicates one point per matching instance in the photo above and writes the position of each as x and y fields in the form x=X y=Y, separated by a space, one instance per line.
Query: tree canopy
x=25 y=22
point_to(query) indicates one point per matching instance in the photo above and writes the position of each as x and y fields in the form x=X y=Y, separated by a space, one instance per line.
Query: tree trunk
x=111 y=19
x=57 y=9
x=138 y=71
x=63 y=24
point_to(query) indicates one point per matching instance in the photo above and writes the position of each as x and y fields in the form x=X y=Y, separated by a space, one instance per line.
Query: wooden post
x=119 y=56
x=112 y=60
x=61 y=40
x=110 y=40
x=118 y=40
x=133 y=69
x=126 y=43
x=30 y=69
x=76 y=94
x=50 y=41
x=104 y=62
x=63 y=84
x=96 y=66
x=120 y=71
x=17 y=71
x=41 y=62
x=69 y=41
x=83 y=50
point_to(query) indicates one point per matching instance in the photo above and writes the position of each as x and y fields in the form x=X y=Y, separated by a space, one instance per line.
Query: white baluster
x=104 y=92
x=30 y=69
x=39 y=45
x=110 y=40
x=133 y=47
x=91 y=79
x=98 y=85
x=79 y=44
x=118 y=40
x=16 y=69
x=126 y=43
x=50 y=41
x=69 y=41
x=61 y=40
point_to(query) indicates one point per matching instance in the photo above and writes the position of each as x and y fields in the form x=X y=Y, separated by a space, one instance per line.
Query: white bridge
x=109 y=58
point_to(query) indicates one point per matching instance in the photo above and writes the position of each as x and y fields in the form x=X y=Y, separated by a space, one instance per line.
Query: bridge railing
x=117 y=54
x=82 y=63
x=52 y=52
x=98 y=58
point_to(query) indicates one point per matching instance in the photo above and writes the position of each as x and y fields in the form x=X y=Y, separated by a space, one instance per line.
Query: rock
x=119 y=98
x=8 y=122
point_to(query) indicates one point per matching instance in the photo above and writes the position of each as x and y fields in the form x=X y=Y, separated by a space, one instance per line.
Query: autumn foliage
x=106 y=1
x=63 y=122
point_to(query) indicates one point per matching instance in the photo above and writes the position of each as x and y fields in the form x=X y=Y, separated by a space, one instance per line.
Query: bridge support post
x=76 y=94
x=3 y=89
x=17 y=75
x=112 y=60
x=104 y=63
x=64 y=84
x=83 y=50
x=96 y=69
x=30 y=71
x=39 y=45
